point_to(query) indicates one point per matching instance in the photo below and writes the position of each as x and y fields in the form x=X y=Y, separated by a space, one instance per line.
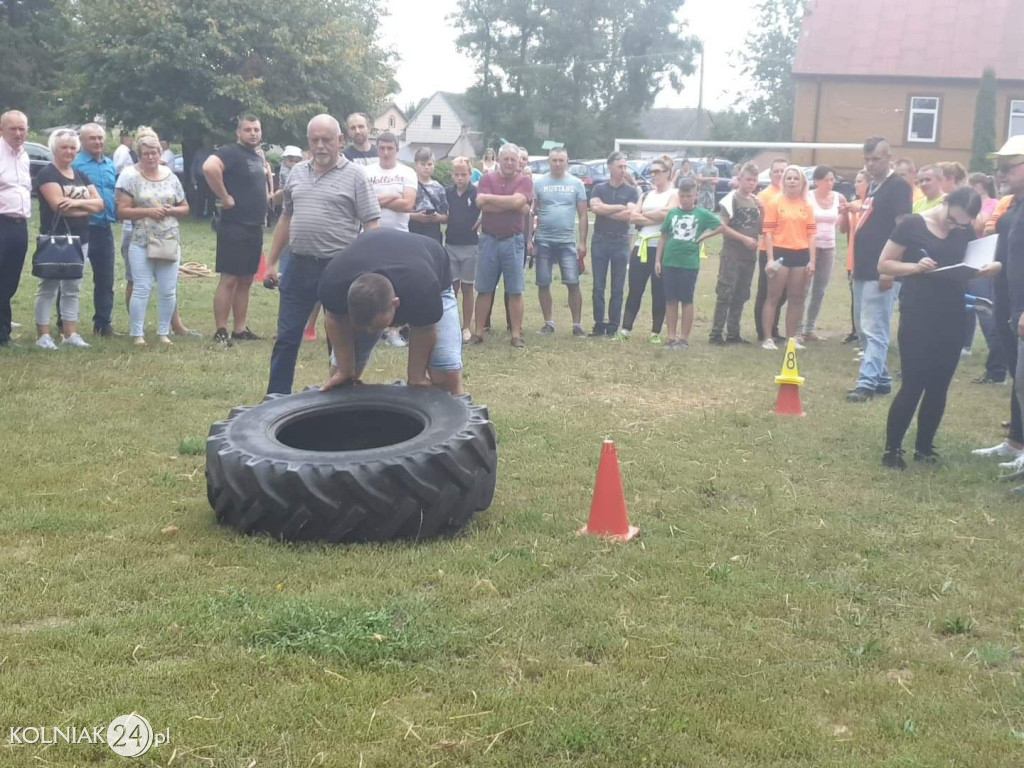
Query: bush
x=443 y=173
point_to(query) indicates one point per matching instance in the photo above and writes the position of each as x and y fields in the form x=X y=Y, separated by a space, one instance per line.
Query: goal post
x=838 y=154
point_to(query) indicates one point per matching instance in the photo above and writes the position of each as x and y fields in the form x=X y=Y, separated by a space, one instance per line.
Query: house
x=908 y=71
x=444 y=124
x=391 y=119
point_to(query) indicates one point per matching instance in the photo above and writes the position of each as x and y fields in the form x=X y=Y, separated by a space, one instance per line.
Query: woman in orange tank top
x=789 y=230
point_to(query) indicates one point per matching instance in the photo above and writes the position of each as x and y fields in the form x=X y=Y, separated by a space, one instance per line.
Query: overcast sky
x=417 y=29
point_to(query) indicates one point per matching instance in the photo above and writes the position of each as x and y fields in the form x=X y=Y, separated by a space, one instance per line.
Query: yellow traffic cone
x=789 y=380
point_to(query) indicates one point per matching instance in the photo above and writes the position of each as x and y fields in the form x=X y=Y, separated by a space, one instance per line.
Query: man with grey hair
x=612 y=202
x=503 y=197
x=99 y=170
x=15 y=211
x=326 y=201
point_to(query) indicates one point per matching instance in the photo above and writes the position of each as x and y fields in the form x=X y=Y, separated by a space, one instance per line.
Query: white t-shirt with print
x=392 y=180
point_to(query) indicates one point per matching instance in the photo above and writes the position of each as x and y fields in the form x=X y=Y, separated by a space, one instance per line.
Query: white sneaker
x=798 y=342
x=16 y=326
x=769 y=344
x=46 y=342
x=1004 y=451
x=395 y=340
x=1016 y=464
x=75 y=340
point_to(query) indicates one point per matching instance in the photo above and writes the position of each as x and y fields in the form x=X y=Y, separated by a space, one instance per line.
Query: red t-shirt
x=508 y=222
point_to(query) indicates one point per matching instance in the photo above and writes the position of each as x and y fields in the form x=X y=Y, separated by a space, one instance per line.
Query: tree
x=984 y=140
x=769 y=66
x=578 y=70
x=32 y=34
x=189 y=68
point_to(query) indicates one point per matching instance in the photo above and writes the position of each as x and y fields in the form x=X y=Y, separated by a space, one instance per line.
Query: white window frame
x=934 y=112
x=435 y=122
x=1018 y=105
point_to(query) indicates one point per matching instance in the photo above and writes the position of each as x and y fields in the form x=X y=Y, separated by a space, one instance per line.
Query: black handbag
x=58 y=257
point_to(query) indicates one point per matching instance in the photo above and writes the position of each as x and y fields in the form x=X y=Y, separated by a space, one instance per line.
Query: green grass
x=789 y=603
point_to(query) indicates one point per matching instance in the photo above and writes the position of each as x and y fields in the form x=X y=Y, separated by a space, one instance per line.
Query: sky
x=419 y=32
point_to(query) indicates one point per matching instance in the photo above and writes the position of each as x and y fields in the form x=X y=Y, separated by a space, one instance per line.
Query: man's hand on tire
x=340 y=379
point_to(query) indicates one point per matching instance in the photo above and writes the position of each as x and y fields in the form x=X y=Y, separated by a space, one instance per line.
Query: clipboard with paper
x=980 y=253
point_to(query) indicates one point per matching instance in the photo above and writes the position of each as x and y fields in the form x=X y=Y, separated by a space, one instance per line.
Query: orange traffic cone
x=787 y=403
x=261 y=273
x=608 y=516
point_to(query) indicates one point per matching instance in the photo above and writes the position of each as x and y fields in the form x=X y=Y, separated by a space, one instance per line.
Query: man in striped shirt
x=326 y=202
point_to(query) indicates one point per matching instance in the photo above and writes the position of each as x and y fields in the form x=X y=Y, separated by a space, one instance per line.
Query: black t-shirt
x=245 y=179
x=938 y=296
x=462 y=215
x=609 y=195
x=358 y=156
x=417 y=267
x=890 y=200
x=1001 y=282
x=77 y=189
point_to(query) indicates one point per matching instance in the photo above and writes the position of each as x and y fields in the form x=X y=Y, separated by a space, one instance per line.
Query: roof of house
x=911 y=38
x=458 y=103
x=391 y=105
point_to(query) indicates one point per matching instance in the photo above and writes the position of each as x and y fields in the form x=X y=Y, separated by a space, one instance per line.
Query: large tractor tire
x=361 y=463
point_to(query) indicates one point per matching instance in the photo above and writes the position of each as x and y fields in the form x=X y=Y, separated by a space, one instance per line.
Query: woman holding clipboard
x=932 y=316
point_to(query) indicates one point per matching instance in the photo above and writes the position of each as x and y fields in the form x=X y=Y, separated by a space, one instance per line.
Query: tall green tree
x=33 y=37
x=768 y=65
x=984 y=140
x=190 y=67
x=579 y=71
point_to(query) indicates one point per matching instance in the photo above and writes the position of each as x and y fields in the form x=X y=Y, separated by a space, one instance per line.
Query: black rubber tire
x=426 y=485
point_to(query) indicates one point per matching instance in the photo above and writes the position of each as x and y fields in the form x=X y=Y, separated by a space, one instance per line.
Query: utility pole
x=700 y=97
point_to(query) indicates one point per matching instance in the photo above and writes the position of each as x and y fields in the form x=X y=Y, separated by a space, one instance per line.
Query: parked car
x=725 y=174
x=39 y=156
x=638 y=169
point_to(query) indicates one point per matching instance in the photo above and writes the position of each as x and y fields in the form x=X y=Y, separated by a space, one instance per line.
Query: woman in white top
x=151 y=197
x=648 y=216
x=828 y=206
x=490 y=162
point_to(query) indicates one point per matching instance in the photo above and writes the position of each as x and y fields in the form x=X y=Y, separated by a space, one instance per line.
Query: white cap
x=292 y=151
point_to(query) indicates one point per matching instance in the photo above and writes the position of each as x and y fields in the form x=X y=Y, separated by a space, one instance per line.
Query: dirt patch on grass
x=38 y=625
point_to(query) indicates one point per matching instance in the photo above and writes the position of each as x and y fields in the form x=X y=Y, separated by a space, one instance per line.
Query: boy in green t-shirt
x=678 y=260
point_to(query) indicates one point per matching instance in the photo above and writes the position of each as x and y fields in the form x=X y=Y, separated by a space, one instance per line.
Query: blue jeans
x=875 y=329
x=613 y=251
x=298 y=291
x=101 y=258
x=995 y=364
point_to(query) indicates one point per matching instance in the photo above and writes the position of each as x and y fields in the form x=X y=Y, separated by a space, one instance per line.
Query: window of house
x=923 y=126
x=435 y=121
x=391 y=121
x=1016 y=118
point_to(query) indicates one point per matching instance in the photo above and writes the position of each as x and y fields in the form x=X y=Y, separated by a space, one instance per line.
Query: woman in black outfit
x=932 y=316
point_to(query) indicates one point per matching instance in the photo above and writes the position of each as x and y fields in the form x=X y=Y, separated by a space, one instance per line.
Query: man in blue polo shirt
x=99 y=170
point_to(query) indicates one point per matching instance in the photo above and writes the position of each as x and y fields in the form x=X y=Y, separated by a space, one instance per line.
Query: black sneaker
x=851 y=338
x=735 y=340
x=859 y=395
x=883 y=389
x=986 y=379
x=716 y=341
x=597 y=333
x=577 y=331
x=106 y=331
x=221 y=337
x=893 y=459
x=926 y=457
x=245 y=335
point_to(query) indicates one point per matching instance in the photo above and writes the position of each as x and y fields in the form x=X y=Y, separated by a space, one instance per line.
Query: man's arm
x=582 y=212
x=421 y=343
x=732 y=234
x=282 y=233
x=403 y=203
x=213 y=170
x=343 y=341
x=501 y=203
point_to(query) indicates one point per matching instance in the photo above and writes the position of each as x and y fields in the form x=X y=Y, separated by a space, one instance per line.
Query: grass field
x=790 y=603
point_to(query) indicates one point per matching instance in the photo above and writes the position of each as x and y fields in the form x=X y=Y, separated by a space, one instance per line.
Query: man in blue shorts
x=558 y=199
x=387 y=278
